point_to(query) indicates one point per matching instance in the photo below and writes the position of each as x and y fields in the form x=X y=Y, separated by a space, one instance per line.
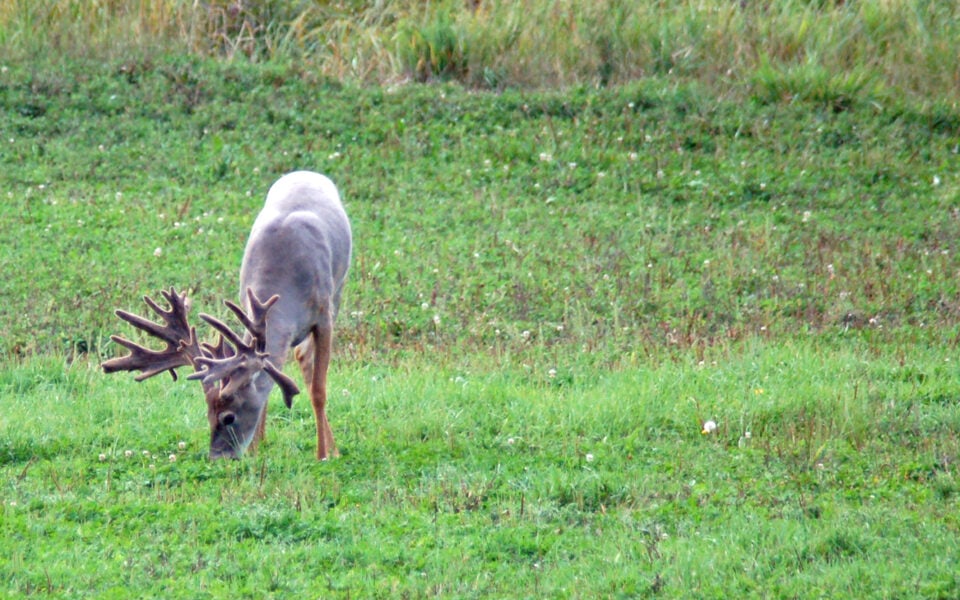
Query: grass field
x=557 y=282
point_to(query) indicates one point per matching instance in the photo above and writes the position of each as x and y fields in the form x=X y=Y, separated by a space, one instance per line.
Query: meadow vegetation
x=825 y=49
x=582 y=230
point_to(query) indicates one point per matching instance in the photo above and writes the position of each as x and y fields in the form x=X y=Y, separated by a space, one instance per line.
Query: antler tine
x=226 y=333
x=286 y=385
x=148 y=362
x=182 y=346
x=221 y=350
x=176 y=327
x=256 y=323
x=226 y=370
x=176 y=317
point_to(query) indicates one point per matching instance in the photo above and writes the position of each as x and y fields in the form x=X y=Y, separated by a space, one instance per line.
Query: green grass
x=552 y=291
x=621 y=220
x=500 y=482
x=881 y=51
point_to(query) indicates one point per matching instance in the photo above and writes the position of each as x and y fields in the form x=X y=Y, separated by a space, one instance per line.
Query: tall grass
x=897 y=46
x=631 y=222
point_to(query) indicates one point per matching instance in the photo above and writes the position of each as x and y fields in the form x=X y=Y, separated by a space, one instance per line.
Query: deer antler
x=257 y=324
x=234 y=369
x=182 y=346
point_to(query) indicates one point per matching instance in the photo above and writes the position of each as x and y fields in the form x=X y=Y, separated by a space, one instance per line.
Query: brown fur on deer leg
x=261 y=428
x=314 y=359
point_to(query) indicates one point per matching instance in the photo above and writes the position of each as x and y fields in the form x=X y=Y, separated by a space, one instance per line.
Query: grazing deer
x=296 y=258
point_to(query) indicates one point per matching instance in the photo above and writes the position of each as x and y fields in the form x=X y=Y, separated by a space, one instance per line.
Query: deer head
x=236 y=373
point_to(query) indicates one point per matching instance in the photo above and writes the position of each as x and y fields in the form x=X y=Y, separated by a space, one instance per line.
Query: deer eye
x=227 y=418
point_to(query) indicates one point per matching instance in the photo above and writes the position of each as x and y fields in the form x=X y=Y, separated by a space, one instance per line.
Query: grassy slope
x=642 y=214
x=787 y=270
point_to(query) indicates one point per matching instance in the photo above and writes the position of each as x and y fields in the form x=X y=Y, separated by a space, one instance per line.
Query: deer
x=291 y=282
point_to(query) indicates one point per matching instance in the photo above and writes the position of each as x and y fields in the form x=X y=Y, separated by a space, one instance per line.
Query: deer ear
x=286 y=385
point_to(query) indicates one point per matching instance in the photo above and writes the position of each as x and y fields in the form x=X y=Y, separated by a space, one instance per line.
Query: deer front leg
x=314 y=359
x=261 y=427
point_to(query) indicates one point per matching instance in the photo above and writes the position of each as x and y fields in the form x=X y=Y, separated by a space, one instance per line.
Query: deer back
x=300 y=248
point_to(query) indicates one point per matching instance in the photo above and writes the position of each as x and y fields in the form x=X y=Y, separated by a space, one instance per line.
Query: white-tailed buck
x=291 y=281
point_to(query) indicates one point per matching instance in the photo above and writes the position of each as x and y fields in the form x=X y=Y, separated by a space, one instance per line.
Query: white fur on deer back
x=299 y=190
x=299 y=248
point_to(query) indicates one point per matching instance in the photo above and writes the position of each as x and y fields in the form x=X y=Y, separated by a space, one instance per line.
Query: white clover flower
x=128 y=453
x=182 y=445
x=158 y=251
x=709 y=427
x=173 y=458
x=103 y=457
x=552 y=373
x=588 y=457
